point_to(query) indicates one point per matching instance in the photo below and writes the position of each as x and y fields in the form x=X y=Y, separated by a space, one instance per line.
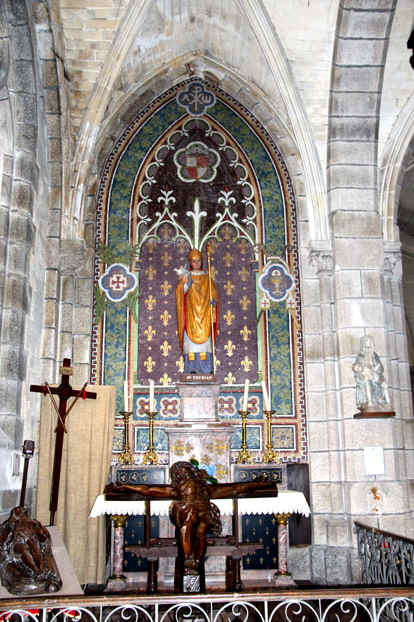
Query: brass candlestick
x=270 y=455
x=151 y=456
x=126 y=457
x=244 y=454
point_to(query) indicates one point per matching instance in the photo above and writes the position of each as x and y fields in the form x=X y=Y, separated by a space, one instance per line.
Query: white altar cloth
x=286 y=502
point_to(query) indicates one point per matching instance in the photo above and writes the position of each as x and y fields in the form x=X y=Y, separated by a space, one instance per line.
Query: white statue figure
x=371 y=388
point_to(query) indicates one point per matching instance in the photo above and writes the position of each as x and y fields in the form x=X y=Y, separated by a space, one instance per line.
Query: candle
x=246 y=394
x=152 y=402
x=126 y=396
x=265 y=396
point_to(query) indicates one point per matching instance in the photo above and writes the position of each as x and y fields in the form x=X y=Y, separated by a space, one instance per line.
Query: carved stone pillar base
x=284 y=580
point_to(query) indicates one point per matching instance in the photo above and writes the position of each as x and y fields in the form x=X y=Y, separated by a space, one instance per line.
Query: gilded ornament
x=246 y=363
x=149 y=364
x=165 y=317
x=150 y=302
x=180 y=364
x=244 y=246
x=165 y=380
x=166 y=258
x=226 y=232
x=230 y=379
x=229 y=287
x=229 y=347
x=229 y=317
x=165 y=348
x=244 y=302
x=244 y=273
x=245 y=333
x=214 y=272
x=228 y=259
x=165 y=287
x=150 y=272
x=149 y=333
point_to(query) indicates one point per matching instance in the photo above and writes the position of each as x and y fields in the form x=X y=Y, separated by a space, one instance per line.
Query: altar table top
x=286 y=502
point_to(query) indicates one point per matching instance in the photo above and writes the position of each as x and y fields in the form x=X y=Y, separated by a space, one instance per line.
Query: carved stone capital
x=322 y=260
x=392 y=261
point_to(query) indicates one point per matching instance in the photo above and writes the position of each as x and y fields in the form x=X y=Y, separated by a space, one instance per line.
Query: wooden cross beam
x=64 y=391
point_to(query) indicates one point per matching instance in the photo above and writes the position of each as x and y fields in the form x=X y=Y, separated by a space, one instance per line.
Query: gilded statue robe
x=193 y=309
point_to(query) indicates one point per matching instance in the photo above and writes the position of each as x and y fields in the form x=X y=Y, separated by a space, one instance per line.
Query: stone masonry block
x=26 y=168
x=339 y=532
x=355 y=313
x=18 y=256
x=319 y=466
x=354 y=104
x=21 y=228
x=364 y=24
x=348 y=284
x=375 y=5
x=25 y=107
x=313 y=347
x=84 y=292
x=20 y=44
x=357 y=224
x=338 y=569
x=12 y=326
x=319 y=530
x=51 y=101
x=68 y=288
x=54 y=149
x=354 y=176
x=372 y=283
x=81 y=349
x=360 y=433
x=12 y=362
x=318 y=431
x=66 y=316
x=315 y=406
x=53 y=225
x=363 y=52
x=351 y=78
x=48 y=343
x=26 y=137
x=314 y=375
x=50 y=312
x=4 y=222
x=82 y=318
x=311 y=319
x=363 y=253
x=353 y=128
x=24 y=76
x=6 y=185
x=351 y=152
x=22 y=196
x=51 y=282
x=45 y=41
x=18 y=293
x=49 y=74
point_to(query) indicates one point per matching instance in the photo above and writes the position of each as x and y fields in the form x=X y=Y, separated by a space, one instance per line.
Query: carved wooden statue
x=27 y=565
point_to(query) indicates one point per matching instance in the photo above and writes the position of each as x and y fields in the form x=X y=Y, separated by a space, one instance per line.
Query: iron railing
x=386 y=559
x=347 y=605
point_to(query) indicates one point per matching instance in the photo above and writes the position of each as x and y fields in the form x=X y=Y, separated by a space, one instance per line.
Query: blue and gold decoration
x=197 y=168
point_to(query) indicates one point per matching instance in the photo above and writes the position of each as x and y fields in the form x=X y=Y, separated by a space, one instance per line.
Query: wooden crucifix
x=64 y=391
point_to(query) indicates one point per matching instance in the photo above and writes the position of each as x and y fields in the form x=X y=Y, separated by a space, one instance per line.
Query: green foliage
x=100 y=303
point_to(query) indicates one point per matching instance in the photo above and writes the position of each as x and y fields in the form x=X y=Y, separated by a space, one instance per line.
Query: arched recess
x=276 y=92
x=147 y=209
x=393 y=169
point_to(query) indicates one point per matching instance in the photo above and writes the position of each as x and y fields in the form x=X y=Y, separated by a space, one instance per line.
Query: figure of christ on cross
x=64 y=391
x=192 y=512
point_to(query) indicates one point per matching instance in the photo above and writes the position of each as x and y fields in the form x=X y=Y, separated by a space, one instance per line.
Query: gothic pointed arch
x=196 y=168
